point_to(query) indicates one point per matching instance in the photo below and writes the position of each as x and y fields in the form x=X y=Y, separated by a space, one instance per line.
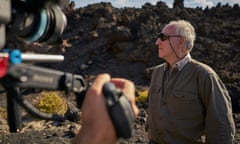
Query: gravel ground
x=36 y=131
x=45 y=132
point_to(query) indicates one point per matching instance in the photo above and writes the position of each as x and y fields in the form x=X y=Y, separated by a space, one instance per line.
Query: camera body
x=31 y=21
x=5 y=17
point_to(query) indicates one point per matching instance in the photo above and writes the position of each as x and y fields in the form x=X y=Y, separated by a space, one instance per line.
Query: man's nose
x=157 y=41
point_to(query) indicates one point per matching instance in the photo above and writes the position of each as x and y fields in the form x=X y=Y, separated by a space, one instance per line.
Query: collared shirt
x=180 y=64
x=194 y=102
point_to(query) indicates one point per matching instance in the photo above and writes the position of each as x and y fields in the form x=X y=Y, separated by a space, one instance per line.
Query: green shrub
x=51 y=102
x=142 y=96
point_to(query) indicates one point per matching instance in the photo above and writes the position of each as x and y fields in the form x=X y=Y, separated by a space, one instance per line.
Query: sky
x=139 y=3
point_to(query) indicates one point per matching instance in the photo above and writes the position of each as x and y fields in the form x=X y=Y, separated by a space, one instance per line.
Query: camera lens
x=45 y=25
x=56 y=23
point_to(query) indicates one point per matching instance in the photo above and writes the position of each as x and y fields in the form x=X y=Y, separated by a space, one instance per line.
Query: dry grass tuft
x=142 y=95
x=51 y=102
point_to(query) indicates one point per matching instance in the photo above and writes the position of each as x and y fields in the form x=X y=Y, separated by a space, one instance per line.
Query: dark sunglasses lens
x=162 y=36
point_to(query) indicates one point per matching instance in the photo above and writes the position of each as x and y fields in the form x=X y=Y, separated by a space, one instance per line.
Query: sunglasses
x=164 y=37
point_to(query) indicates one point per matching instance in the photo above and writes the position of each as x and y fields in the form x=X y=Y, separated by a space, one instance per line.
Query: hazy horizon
x=139 y=3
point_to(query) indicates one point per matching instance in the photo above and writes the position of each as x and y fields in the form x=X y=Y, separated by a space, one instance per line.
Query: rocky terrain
x=100 y=38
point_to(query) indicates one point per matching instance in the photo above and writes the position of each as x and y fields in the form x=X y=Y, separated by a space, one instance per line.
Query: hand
x=128 y=88
x=97 y=126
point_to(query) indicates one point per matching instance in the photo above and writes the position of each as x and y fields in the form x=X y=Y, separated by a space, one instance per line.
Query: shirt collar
x=180 y=64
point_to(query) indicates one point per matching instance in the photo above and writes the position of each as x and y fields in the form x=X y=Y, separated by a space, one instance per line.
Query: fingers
x=99 y=82
x=94 y=93
x=93 y=101
x=123 y=83
x=126 y=86
x=128 y=89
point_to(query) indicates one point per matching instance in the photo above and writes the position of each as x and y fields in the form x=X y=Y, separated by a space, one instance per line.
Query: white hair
x=185 y=29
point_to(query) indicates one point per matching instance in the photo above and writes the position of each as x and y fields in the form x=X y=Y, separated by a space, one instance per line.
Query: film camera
x=31 y=20
x=43 y=21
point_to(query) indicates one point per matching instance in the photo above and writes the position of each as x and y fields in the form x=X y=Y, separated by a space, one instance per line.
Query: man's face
x=164 y=46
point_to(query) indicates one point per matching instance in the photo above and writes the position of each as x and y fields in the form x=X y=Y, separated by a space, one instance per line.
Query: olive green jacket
x=191 y=103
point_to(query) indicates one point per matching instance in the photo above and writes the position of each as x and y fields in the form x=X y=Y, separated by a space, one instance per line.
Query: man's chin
x=160 y=55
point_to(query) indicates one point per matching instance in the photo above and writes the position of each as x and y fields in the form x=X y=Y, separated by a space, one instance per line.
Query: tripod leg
x=13 y=110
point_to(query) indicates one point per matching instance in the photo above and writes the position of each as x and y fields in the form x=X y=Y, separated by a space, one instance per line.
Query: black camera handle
x=120 y=110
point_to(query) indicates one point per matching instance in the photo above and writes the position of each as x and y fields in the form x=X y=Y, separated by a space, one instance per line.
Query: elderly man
x=187 y=99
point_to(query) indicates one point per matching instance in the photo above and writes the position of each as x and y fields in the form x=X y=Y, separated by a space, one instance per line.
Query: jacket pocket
x=184 y=105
